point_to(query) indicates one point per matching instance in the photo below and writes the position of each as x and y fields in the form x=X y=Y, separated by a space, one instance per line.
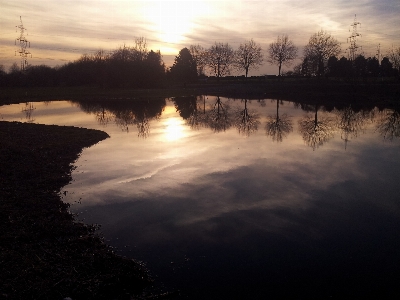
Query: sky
x=60 y=31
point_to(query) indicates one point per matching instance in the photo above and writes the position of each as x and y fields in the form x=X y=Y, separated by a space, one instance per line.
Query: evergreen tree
x=184 y=68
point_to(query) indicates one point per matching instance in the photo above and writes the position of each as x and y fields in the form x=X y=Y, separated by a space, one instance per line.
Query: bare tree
x=199 y=56
x=14 y=68
x=127 y=53
x=394 y=57
x=219 y=59
x=283 y=51
x=100 y=56
x=248 y=56
x=320 y=47
x=140 y=48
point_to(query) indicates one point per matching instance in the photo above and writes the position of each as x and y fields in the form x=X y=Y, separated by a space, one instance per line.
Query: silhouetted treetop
x=283 y=51
x=219 y=59
x=248 y=56
x=320 y=47
x=184 y=68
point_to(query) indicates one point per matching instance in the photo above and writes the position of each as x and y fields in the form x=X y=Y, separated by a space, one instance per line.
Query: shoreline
x=45 y=252
x=307 y=90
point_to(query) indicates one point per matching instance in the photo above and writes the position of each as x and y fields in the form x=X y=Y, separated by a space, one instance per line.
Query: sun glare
x=172 y=20
x=174 y=129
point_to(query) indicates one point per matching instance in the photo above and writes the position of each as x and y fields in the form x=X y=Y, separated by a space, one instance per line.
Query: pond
x=241 y=199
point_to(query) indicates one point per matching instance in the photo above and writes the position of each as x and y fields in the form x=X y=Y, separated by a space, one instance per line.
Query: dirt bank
x=44 y=252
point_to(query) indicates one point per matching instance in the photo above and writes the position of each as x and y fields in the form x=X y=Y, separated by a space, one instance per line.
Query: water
x=231 y=199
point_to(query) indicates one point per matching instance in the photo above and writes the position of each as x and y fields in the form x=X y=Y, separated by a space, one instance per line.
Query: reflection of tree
x=103 y=116
x=199 y=116
x=28 y=110
x=123 y=119
x=316 y=131
x=389 y=124
x=143 y=126
x=350 y=122
x=277 y=126
x=218 y=118
x=192 y=109
x=245 y=121
x=126 y=113
x=186 y=106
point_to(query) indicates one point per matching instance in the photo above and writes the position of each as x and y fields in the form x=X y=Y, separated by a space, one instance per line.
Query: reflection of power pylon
x=28 y=109
x=23 y=44
x=353 y=40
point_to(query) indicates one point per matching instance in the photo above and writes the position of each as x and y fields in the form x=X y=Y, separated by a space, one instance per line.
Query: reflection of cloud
x=147 y=175
x=261 y=185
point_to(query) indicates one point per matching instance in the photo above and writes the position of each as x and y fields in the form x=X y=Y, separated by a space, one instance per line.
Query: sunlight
x=174 y=19
x=175 y=129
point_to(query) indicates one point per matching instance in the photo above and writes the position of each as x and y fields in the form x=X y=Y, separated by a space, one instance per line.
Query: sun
x=173 y=20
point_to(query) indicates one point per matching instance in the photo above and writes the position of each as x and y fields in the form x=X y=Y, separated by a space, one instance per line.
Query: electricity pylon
x=23 y=44
x=353 y=40
x=378 y=53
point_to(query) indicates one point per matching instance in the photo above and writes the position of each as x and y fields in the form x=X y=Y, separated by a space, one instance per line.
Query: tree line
x=128 y=66
x=138 y=67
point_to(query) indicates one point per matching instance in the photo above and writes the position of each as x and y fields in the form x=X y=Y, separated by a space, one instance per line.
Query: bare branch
x=219 y=59
x=283 y=51
x=248 y=56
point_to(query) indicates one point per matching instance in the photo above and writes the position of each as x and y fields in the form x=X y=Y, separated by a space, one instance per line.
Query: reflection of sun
x=174 y=19
x=175 y=129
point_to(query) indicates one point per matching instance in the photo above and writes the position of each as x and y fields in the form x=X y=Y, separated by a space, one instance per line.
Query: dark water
x=233 y=199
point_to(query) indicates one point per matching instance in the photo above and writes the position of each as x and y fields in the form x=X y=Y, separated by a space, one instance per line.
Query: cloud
x=172 y=25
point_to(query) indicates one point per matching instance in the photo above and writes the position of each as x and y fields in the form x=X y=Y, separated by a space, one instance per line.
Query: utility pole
x=353 y=40
x=23 y=44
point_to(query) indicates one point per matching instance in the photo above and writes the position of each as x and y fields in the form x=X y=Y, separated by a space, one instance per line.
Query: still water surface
x=233 y=199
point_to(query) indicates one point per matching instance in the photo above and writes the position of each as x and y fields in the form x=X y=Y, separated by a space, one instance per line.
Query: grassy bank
x=44 y=252
x=312 y=90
